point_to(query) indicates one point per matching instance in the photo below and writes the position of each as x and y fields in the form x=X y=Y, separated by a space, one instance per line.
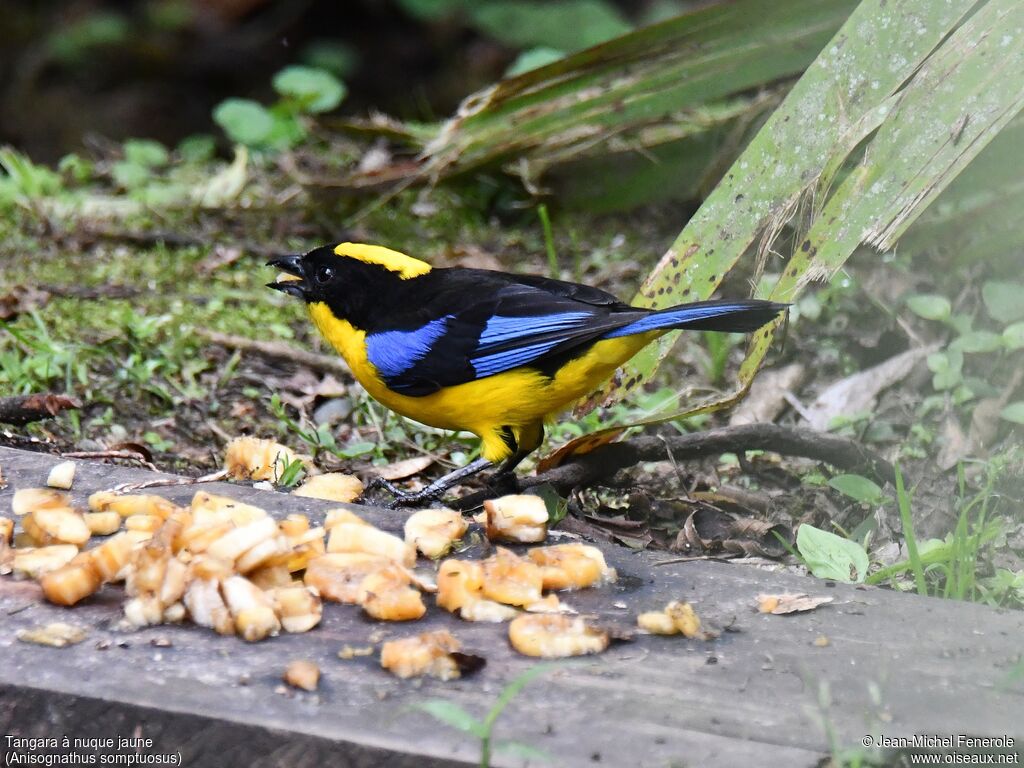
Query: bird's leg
x=432 y=491
x=528 y=440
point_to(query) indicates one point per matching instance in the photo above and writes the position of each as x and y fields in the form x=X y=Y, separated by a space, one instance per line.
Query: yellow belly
x=516 y=398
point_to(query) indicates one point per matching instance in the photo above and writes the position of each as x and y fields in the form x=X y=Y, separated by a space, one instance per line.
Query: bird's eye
x=324 y=275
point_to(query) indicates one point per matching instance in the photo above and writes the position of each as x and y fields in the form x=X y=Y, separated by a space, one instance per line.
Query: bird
x=488 y=352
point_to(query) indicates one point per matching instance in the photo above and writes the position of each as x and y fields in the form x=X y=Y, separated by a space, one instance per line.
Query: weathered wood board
x=761 y=694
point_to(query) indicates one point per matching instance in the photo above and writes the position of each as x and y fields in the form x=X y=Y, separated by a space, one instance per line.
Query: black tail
x=741 y=316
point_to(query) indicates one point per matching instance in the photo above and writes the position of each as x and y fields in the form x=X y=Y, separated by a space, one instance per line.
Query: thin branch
x=127 y=455
x=602 y=463
x=24 y=409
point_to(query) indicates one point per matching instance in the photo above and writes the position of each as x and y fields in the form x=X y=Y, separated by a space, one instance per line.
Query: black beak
x=293 y=266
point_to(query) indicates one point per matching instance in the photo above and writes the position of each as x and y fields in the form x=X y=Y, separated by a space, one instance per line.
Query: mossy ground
x=123 y=330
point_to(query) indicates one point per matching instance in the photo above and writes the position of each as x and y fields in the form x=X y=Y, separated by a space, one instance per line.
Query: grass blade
x=903 y=500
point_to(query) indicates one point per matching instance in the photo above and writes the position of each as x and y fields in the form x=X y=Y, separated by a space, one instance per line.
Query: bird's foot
x=503 y=483
x=431 y=492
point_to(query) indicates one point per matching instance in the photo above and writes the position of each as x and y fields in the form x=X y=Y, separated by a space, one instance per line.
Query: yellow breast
x=514 y=398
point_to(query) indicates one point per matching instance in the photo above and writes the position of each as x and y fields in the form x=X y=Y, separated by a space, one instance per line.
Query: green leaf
x=857 y=488
x=76 y=167
x=197 y=148
x=316 y=90
x=830 y=556
x=896 y=136
x=1013 y=336
x=1003 y=300
x=535 y=58
x=332 y=56
x=525 y=751
x=566 y=25
x=512 y=690
x=146 y=152
x=947 y=367
x=930 y=306
x=452 y=714
x=130 y=175
x=978 y=341
x=556 y=505
x=1013 y=412
x=244 y=121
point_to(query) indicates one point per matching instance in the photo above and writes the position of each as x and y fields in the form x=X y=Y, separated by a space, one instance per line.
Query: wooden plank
x=761 y=694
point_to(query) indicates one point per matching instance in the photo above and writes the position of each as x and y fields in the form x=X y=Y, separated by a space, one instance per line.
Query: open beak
x=294 y=285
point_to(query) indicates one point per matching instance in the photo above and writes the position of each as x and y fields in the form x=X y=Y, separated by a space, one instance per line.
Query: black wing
x=475 y=323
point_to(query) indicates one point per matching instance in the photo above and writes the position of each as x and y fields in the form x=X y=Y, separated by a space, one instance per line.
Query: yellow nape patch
x=404 y=266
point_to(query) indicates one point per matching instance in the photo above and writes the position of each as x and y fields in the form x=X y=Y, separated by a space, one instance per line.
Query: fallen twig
x=279 y=350
x=164 y=482
x=602 y=463
x=128 y=455
x=24 y=409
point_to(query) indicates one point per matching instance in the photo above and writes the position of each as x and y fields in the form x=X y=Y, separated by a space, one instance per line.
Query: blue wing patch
x=501 y=329
x=395 y=352
x=671 y=318
x=505 y=341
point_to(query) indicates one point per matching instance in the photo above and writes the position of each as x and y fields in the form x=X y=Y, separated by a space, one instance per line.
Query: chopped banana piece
x=251 y=608
x=509 y=579
x=427 y=654
x=131 y=504
x=211 y=507
x=302 y=674
x=676 y=618
x=205 y=567
x=338 y=576
x=341 y=515
x=250 y=458
x=58 y=634
x=110 y=557
x=6 y=553
x=487 y=611
x=71 y=583
x=270 y=576
x=198 y=537
x=237 y=541
x=102 y=523
x=351 y=537
x=267 y=551
x=33 y=563
x=334 y=486
x=685 y=618
x=56 y=525
x=206 y=606
x=657 y=623
x=459 y=582
x=143 y=611
x=294 y=525
x=517 y=518
x=549 y=604
x=301 y=554
x=28 y=500
x=61 y=475
x=298 y=607
x=553 y=636
x=571 y=566
x=143 y=523
x=175 y=580
x=433 y=531
x=386 y=594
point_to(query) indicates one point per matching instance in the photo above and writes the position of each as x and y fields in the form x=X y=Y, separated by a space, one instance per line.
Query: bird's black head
x=352 y=279
x=316 y=275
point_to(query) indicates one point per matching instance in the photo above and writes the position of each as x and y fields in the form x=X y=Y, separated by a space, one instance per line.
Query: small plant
x=303 y=91
x=452 y=714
